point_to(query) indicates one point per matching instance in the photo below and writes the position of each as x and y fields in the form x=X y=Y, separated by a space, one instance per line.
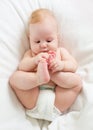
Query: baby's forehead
x=47 y=22
x=46 y=27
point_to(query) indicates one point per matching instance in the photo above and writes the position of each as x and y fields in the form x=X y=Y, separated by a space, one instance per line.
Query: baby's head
x=39 y=15
x=43 y=31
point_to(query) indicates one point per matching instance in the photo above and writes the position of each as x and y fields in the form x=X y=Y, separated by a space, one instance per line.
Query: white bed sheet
x=75 y=19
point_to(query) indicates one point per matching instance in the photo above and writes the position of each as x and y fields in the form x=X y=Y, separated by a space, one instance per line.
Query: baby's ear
x=58 y=36
x=28 y=32
x=60 y=40
x=28 y=36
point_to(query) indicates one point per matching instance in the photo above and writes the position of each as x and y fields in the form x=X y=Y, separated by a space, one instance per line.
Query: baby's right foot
x=42 y=72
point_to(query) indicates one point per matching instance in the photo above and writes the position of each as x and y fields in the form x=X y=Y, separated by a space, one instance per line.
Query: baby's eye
x=49 y=40
x=37 y=41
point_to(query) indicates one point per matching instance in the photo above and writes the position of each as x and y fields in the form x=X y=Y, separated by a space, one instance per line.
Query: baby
x=46 y=80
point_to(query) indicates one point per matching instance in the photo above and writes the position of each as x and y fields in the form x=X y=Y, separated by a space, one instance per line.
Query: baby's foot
x=42 y=72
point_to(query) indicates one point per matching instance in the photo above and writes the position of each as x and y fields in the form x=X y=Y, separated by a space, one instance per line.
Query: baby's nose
x=43 y=44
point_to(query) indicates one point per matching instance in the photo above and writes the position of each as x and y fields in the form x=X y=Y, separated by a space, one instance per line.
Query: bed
x=75 y=19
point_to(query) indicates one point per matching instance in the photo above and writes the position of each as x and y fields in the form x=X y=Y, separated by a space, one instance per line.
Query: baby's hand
x=53 y=63
x=41 y=56
x=52 y=55
x=56 y=65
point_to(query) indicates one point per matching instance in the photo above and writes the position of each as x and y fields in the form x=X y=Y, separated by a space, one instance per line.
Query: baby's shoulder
x=28 y=53
x=61 y=49
x=63 y=52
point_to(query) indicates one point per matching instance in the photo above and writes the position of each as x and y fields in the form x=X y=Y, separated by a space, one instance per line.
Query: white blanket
x=75 y=19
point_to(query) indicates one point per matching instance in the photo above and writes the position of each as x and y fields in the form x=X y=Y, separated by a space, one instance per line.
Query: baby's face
x=44 y=36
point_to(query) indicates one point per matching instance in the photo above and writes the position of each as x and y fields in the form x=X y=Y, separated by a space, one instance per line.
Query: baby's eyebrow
x=36 y=39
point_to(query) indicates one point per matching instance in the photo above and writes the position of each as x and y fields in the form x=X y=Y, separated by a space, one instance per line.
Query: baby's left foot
x=42 y=72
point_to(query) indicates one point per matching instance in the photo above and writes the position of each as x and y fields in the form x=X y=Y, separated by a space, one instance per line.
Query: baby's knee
x=78 y=88
x=11 y=82
x=79 y=84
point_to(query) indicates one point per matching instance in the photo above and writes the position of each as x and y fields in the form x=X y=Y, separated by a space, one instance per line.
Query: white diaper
x=45 y=108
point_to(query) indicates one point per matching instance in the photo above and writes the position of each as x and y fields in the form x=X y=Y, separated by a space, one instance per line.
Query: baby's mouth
x=45 y=50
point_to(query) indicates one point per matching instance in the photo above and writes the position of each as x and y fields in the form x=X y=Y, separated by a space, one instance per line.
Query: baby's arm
x=27 y=63
x=68 y=61
x=64 y=64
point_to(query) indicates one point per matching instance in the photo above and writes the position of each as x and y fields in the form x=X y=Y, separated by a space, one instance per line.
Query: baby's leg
x=66 y=79
x=28 y=80
x=70 y=86
x=43 y=77
x=28 y=98
x=65 y=97
x=25 y=84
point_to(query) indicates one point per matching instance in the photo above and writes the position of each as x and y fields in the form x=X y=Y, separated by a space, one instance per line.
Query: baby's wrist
x=62 y=66
x=36 y=61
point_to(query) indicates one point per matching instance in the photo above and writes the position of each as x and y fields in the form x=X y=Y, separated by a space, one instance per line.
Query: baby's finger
x=55 y=68
x=51 y=65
